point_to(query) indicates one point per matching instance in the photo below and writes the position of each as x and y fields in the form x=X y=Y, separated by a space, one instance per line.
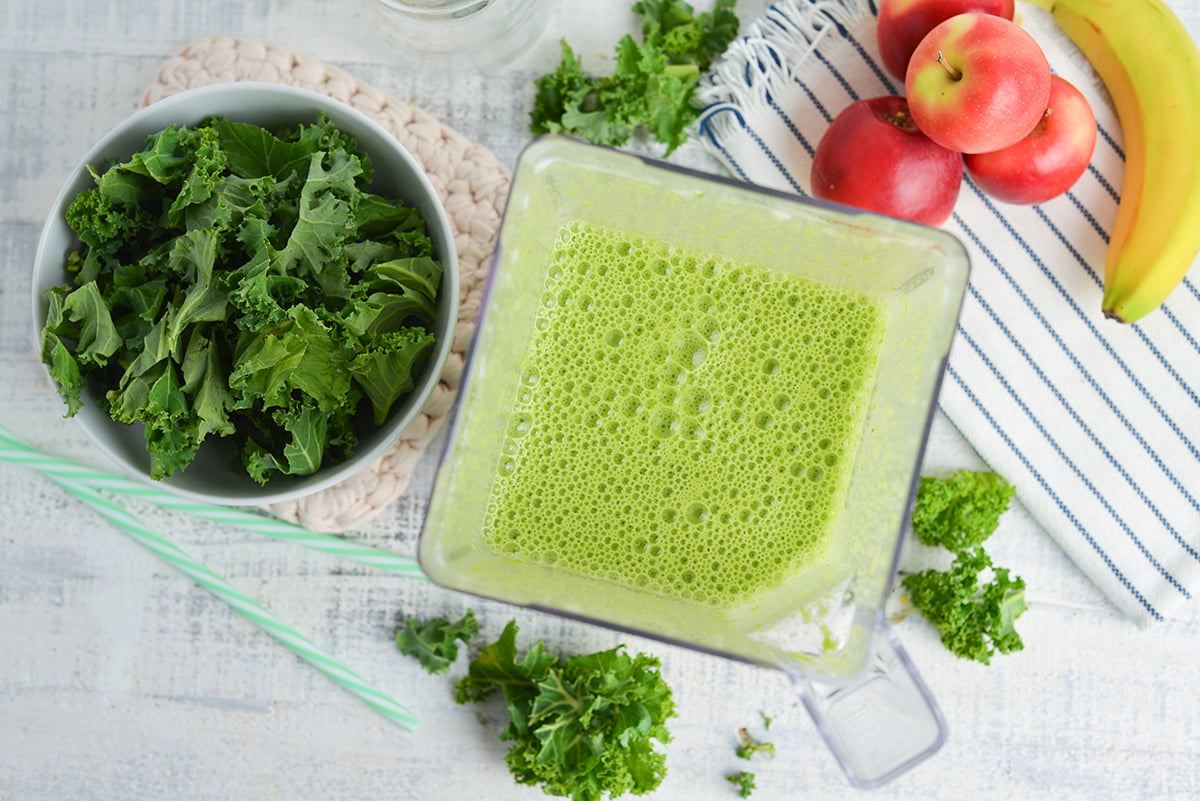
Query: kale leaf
x=975 y=620
x=581 y=727
x=748 y=745
x=234 y=282
x=960 y=511
x=434 y=643
x=743 y=781
x=652 y=84
x=974 y=617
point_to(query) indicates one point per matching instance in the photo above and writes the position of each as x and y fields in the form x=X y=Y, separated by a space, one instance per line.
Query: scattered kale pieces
x=434 y=643
x=240 y=283
x=975 y=619
x=974 y=616
x=960 y=511
x=743 y=781
x=581 y=727
x=652 y=84
x=748 y=746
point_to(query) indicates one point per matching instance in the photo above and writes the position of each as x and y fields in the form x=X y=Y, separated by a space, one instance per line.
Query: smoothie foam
x=685 y=424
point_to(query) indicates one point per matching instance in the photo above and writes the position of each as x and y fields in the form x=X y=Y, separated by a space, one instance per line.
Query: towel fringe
x=769 y=56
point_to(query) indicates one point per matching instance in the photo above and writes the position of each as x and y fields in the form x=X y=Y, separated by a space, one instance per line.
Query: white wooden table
x=119 y=679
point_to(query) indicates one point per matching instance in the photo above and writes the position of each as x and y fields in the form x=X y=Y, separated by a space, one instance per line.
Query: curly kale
x=242 y=283
x=974 y=617
x=434 y=643
x=582 y=727
x=652 y=83
x=743 y=782
x=960 y=511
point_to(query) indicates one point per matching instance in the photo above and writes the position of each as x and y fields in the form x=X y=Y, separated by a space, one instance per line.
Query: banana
x=1151 y=68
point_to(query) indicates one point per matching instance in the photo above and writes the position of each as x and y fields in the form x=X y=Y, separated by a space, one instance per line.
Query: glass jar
x=461 y=34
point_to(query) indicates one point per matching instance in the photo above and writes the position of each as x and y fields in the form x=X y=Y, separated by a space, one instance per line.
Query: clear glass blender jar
x=825 y=625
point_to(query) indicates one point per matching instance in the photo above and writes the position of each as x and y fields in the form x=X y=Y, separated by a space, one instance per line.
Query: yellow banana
x=1151 y=68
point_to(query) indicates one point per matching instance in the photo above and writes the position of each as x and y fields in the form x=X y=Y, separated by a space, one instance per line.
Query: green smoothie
x=685 y=424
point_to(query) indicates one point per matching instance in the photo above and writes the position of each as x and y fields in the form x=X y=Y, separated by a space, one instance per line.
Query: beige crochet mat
x=473 y=186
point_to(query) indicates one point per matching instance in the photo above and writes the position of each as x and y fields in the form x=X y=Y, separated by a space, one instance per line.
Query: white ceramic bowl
x=211 y=477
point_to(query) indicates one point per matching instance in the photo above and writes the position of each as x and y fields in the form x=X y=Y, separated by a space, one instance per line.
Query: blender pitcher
x=821 y=621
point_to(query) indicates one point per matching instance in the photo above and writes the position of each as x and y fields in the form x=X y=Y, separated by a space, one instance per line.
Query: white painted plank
x=121 y=680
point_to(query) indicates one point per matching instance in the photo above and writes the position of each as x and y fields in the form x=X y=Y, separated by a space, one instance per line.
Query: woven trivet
x=473 y=186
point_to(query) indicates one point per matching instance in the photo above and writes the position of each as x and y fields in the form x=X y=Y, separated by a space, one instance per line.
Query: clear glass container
x=460 y=34
x=824 y=626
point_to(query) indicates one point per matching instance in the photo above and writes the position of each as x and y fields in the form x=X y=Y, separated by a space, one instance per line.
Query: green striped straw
x=242 y=604
x=15 y=451
x=84 y=483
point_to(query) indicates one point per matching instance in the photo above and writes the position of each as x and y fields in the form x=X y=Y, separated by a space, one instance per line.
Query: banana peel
x=1151 y=67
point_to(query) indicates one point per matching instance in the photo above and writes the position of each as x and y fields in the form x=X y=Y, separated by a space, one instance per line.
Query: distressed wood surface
x=119 y=679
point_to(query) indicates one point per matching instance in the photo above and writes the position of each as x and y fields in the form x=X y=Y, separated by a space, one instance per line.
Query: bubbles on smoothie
x=664 y=423
x=696 y=401
x=689 y=349
x=669 y=432
x=520 y=424
x=691 y=430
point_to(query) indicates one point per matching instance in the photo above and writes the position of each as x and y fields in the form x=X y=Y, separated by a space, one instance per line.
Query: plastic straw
x=15 y=451
x=242 y=604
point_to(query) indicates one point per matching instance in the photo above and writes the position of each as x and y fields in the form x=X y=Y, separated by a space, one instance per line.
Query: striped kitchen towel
x=1096 y=423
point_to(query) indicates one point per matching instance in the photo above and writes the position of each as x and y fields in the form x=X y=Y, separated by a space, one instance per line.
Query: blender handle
x=883 y=722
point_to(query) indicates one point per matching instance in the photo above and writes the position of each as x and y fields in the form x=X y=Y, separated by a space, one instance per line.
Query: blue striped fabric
x=1096 y=423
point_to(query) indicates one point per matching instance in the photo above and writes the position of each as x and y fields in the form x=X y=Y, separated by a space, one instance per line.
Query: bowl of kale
x=246 y=292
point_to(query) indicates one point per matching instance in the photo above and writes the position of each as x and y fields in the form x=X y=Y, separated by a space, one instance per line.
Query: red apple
x=874 y=157
x=1049 y=160
x=977 y=82
x=902 y=24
